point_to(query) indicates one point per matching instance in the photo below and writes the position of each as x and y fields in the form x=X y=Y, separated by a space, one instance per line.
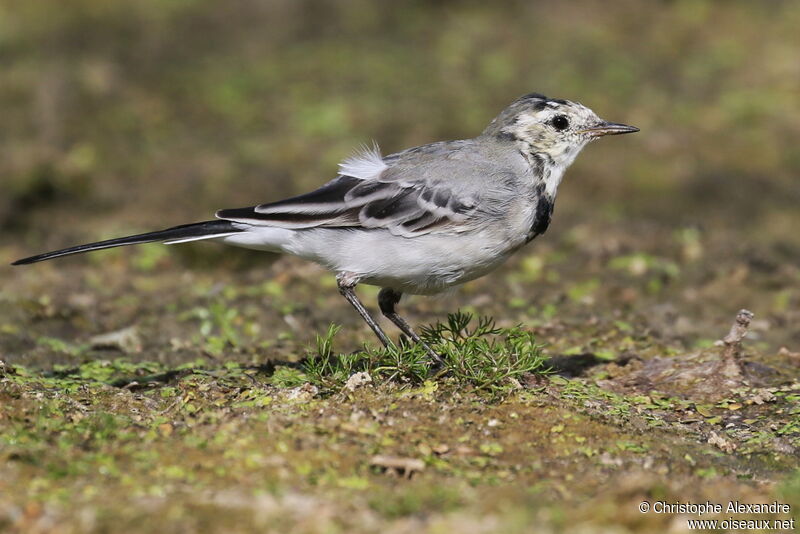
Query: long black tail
x=184 y=232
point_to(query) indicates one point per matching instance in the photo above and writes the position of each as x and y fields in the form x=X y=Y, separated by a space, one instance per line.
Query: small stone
x=357 y=380
x=126 y=340
x=441 y=449
x=397 y=465
x=305 y=392
x=722 y=443
x=762 y=396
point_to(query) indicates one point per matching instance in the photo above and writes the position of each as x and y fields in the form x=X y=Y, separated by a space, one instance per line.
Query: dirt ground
x=163 y=388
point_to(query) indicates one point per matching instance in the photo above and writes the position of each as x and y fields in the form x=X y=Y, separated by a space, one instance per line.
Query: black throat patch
x=543 y=214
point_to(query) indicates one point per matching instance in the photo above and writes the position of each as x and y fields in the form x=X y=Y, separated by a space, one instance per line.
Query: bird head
x=552 y=127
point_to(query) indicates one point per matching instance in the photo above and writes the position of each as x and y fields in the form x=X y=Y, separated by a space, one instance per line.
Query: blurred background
x=121 y=117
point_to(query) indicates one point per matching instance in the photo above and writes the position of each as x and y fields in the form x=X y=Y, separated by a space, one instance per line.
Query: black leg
x=346 y=288
x=387 y=299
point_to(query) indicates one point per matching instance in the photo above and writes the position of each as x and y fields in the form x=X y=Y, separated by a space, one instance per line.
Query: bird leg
x=347 y=284
x=387 y=299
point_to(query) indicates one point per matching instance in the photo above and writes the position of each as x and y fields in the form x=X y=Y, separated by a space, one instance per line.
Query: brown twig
x=732 y=343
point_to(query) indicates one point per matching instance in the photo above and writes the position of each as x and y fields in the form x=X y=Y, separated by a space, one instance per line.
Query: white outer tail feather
x=197 y=238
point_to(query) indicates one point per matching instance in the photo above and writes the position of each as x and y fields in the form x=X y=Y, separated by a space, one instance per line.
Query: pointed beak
x=609 y=128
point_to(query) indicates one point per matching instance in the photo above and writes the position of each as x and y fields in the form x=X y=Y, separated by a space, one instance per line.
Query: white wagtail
x=418 y=221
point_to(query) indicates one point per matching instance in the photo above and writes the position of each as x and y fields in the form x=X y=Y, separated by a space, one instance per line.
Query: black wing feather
x=351 y=202
x=327 y=200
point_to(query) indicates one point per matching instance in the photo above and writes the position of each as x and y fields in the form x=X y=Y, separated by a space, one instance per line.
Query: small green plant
x=286 y=377
x=487 y=357
x=328 y=369
x=218 y=326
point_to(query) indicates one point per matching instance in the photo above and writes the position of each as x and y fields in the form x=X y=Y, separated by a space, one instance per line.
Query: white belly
x=421 y=265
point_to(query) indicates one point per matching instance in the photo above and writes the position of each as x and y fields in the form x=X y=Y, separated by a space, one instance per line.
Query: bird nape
x=417 y=221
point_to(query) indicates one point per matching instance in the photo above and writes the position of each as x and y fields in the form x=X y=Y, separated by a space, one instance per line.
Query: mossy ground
x=216 y=425
x=224 y=448
x=198 y=413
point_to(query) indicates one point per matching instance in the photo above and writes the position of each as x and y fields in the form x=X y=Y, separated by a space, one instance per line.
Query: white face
x=553 y=128
x=556 y=128
x=550 y=133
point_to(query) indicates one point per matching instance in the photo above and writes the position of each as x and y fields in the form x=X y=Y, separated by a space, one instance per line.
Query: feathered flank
x=366 y=164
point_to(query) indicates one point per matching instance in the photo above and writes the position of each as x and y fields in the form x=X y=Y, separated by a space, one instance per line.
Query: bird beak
x=609 y=128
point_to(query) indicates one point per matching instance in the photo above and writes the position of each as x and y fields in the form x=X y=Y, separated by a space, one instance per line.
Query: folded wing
x=395 y=201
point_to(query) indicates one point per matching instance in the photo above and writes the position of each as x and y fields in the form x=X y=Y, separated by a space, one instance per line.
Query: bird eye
x=560 y=122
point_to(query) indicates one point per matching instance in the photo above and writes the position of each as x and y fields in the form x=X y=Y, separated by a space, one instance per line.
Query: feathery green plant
x=485 y=356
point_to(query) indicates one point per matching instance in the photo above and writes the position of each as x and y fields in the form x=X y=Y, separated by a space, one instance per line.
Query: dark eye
x=560 y=122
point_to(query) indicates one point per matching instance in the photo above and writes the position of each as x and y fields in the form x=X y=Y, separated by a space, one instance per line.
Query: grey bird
x=418 y=221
